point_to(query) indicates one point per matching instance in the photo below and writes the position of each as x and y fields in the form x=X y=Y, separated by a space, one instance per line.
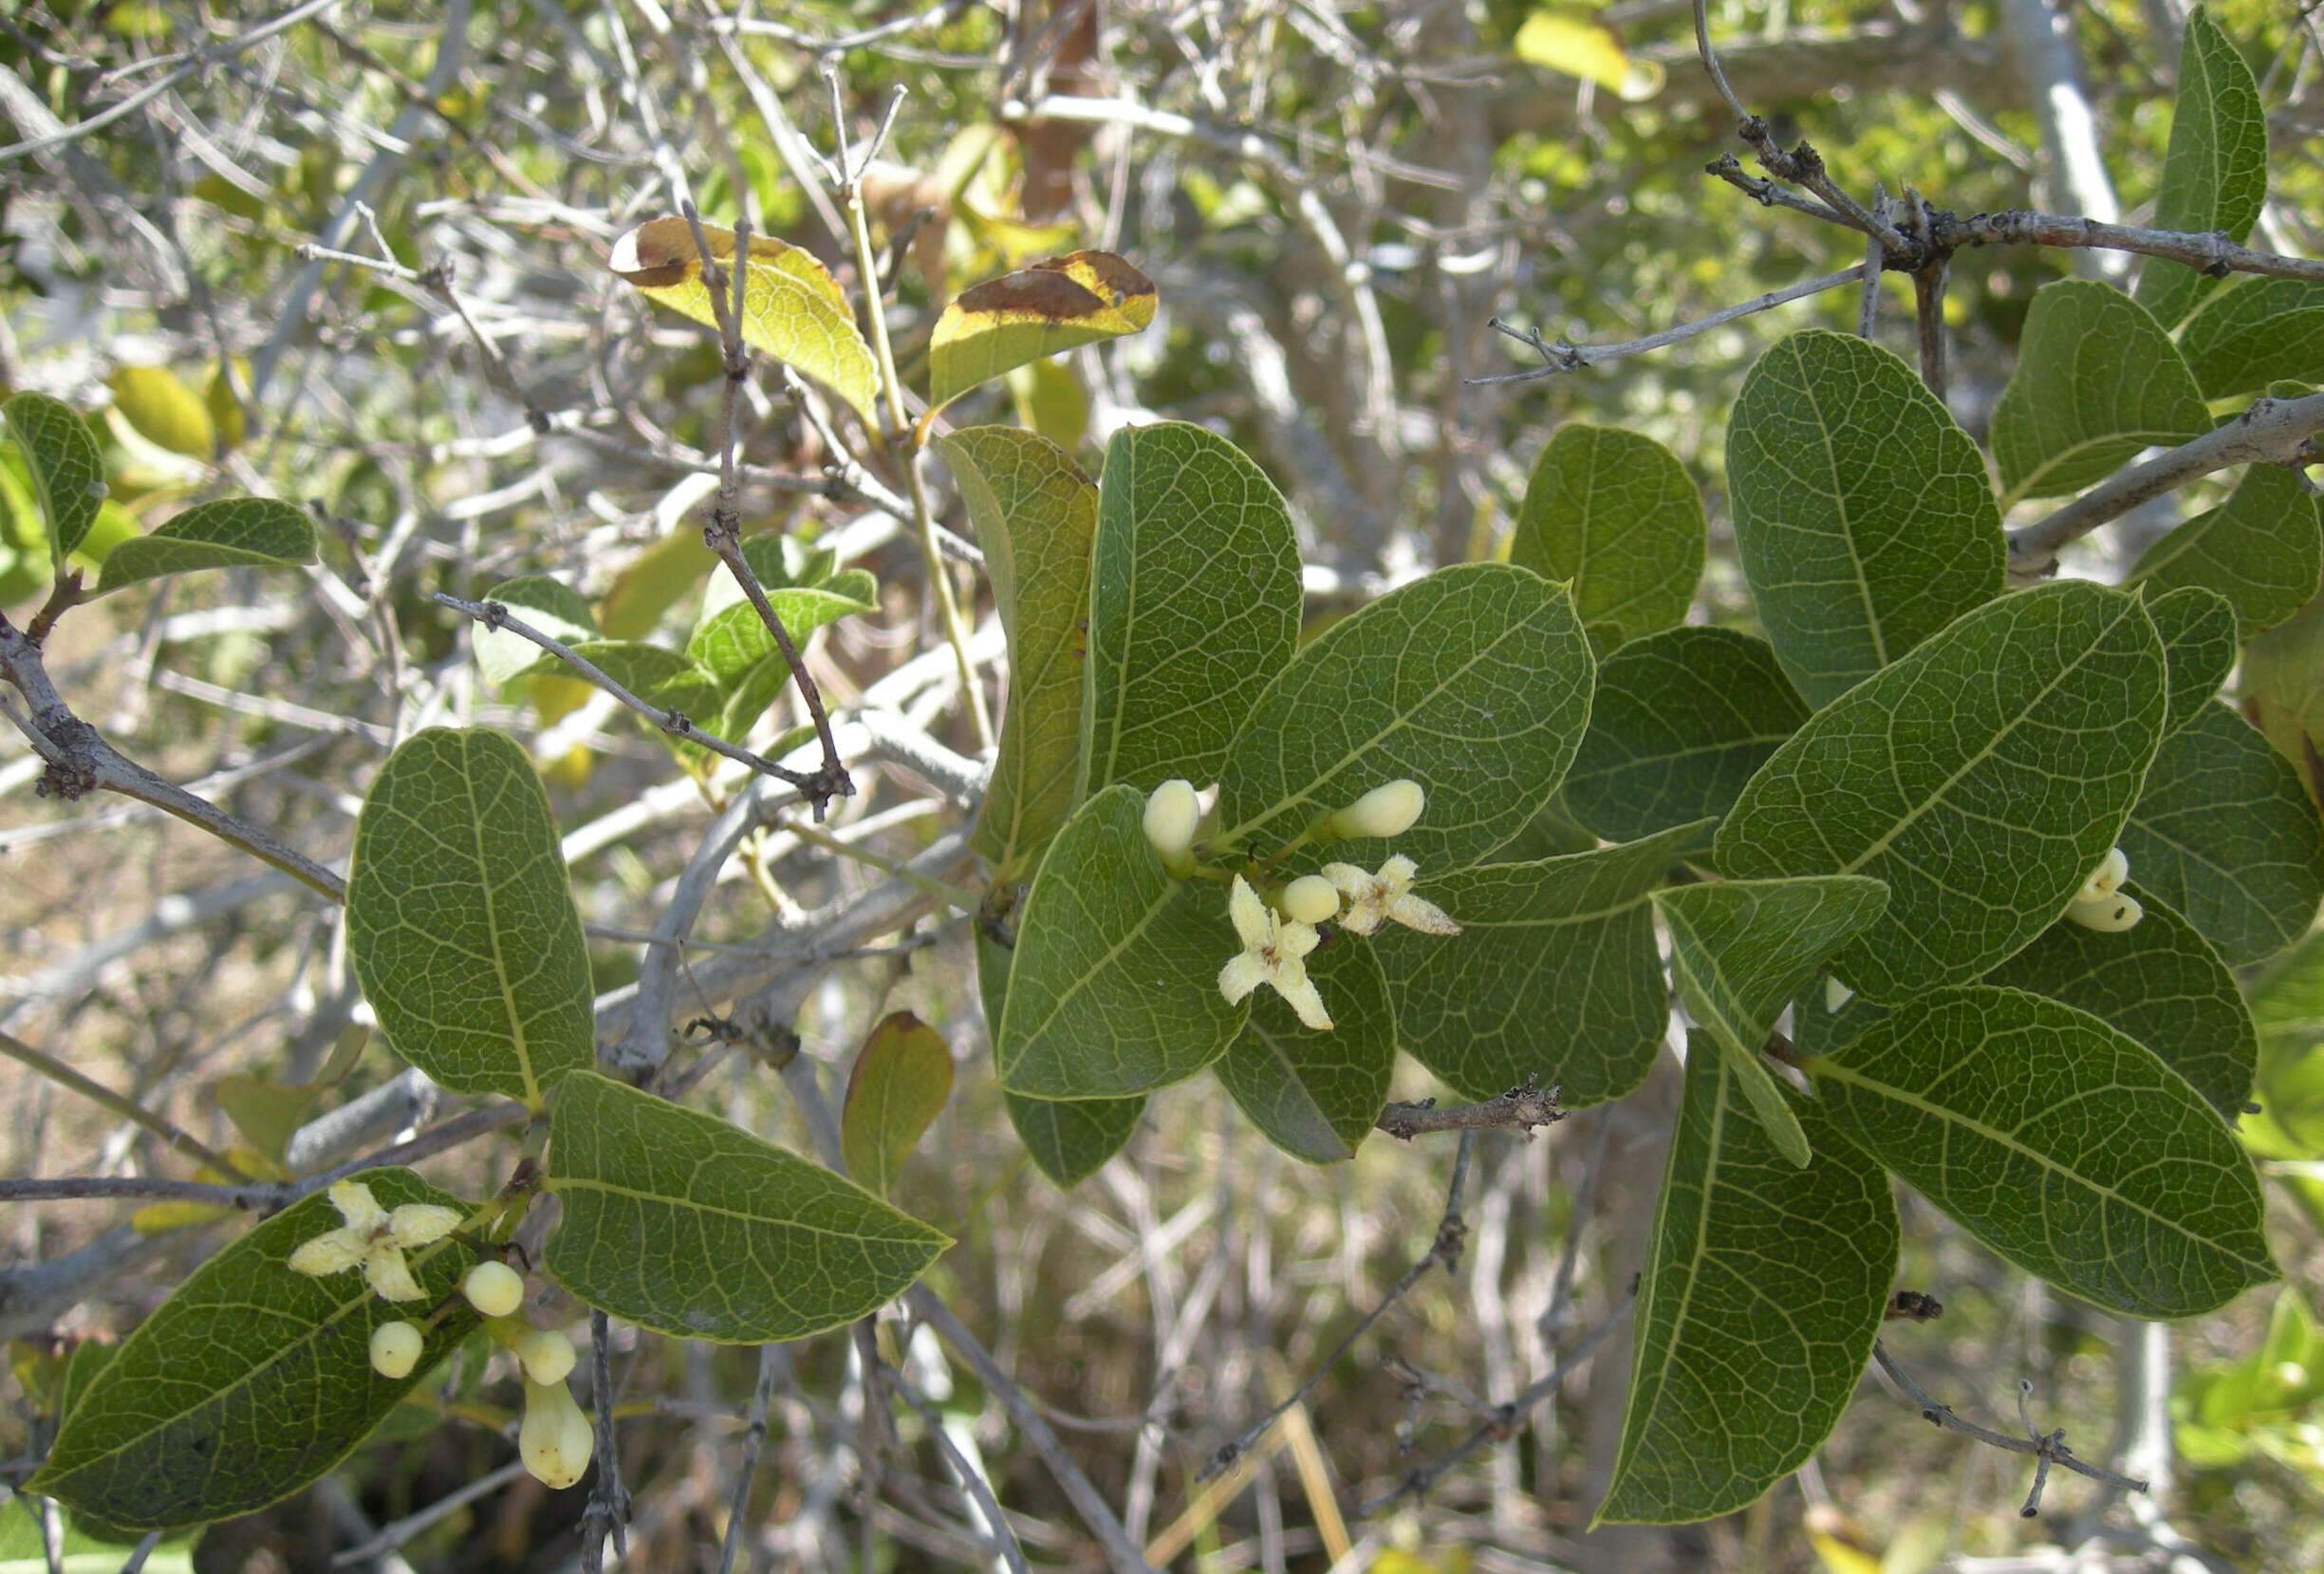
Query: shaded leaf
x=231 y=532
x=731 y=642
x=901 y=1078
x=1068 y=1141
x=2097 y=380
x=2283 y=692
x=548 y=604
x=66 y=469
x=1315 y=1094
x=2215 y=169
x=1052 y=306
x=2253 y=332
x=1615 y=516
x=2261 y=549
x=2197 y=627
x=162 y=410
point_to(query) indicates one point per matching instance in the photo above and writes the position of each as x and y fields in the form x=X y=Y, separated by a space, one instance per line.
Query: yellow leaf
x=1020 y=317
x=792 y=306
x=162 y=410
x=1575 y=46
x=226 y=418
x=160 y=1218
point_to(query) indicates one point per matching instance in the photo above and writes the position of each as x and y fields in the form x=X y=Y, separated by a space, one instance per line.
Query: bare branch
x=120 y=1104
x=2047 y=1450
x=1563 y=356
x=1518 y=1109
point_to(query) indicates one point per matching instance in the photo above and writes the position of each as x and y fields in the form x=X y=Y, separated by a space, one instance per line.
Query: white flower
x=376 y=1239
x=395 y=1350
x=495 y=1290
x=1387 y=810
x=1386 y=894
x=555 y=1440
x=1273 y=947
x=1310 y=898
x=2106 y=879
x=1172 y=814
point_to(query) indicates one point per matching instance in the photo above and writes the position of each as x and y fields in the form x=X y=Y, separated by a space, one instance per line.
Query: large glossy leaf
x=2261 y=549
x=791 y=307
x=1194 y=605
x=1052 y=306
x=1553 y=975
x=1761 y=1294
x=2215 y=169
x=2065 y=1145
x=2097 y=380
x=1862 y=513
x=1473 y=682
x=460 y=923
x=679 y=1222
x=1737 y=950
x=2253 y=332
x=1681 y=721
x=1314 y=1095
x=2225 y=834
x=1035 y=516
x=2161 y=983
x=547 y=604
x=1114 y=987
x=1069 y=1139
x=1982 y=778
x=67 y=471
x=233 y=533
x=1614 y=515
x=251 y=1380
x=900 y=1082
x=2198 y=630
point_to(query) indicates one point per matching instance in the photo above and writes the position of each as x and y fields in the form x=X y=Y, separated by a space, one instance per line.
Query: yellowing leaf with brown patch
x=1000 y=324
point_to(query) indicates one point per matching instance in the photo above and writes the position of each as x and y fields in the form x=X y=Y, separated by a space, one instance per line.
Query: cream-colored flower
x=1273 y=948
x=375 y=1239
x=2106 y=879
x=1311 y=900
x=1386 y=896
x=1387 y=810
x=395 y=1349
x=2108 y=915
x=555 y=1440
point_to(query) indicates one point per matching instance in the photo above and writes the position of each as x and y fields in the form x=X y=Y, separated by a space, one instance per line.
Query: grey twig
x=608 y=1510
x=2047 y=1450
x=746 y=1467
x=396 y=1532
x=972 y=1480
x=1519 y=1109
x=1564 y=356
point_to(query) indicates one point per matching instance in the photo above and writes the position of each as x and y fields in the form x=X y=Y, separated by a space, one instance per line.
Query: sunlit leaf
x=2253 y=332
x=1315 y=1094
x=1036 y=311
x=547 y=604
x=162 y=410
x=67 y=471
x=2215 y=170
x=231 y=532
x=2097 y=380
x=1615 y=516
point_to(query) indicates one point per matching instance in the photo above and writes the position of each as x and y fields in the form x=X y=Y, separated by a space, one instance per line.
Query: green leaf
x=1982 y=778
x=680 y=1223
x=2158 y=981
x=1614 y=515
x=460 y=923
x=2253 y=332
x=2225 y=834
x=1737 y=950
x=2097 y=380
x=2063 y=1145
x=1474 y=682
x=548 y=604
x=1762 y=1291
x=2215 y=170
x=903 y=1076
x=1068 y=1141
x=233 y=533
x=1194 y=605
x=2198 y=630
x=1553 y=975
x=791 y=307
x=1862 y=513
x=2283 y=690
x=1314 y=1095
x=1035 y=516
x=68 y=473
x=1114 y=990
x=251 y=1380
x=163 y=410
x=2261 y=549
x=1682 y=720
x=1055 y=305
x=731 y=642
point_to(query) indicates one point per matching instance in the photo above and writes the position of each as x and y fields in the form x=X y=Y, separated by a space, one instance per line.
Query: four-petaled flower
x=375 y=1239
x=1273 y=947
x=1386 y=894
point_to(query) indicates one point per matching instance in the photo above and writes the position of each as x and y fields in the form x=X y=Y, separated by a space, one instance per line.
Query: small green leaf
x=68 y=473
x=1737 y=950
x=2063 y=1145
x=2197 y=627
x=2097 y=380
x=791 y=307
x=1114 y=987
x=1474 y=682
x=233 y=533
x=680 y=1223
x=1681 y=721
x=1614 y=515
x=1553 y=975
x=903 y=1076
x=1194 y=605
x=2215 y=170
x=2158 y=981
x=1315 y=1094
x=1052 y=306
x=1762 y=1291
x=1035 y=516
x=1862 y=513
x=1925 y=777
x=731 y=642
x=163 y=410
x=251 y=1380
x=1068 y=1141
x=548 y=604
x=2225 y=834
x=460 y=923
x=2261 y=549
x=2253 y=332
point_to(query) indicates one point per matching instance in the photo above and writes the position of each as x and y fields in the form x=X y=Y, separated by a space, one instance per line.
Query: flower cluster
x=2101 y=904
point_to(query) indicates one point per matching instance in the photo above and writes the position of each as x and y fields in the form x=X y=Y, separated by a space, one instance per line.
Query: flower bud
x=546 y=1355
x=1310 y=900
x=1387 y=810
x=2106 y=879
x=395 y=1349
x=555 y=1440
x=493 y=1288
x=1172 y=813
x=2109 y=915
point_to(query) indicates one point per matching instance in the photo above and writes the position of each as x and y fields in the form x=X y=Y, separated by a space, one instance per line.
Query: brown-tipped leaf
x=1052 y=306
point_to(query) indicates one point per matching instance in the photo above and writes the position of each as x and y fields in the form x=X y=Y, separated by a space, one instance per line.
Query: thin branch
x=396 y=1532
x=2210 y=253
x=258 y=1198
x=972 y=1480
x=120 y=1103
x=1518 y=1109
x=1564 y=356
x=608 y=1510
x=746 y=1467
x=2047 y=1450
